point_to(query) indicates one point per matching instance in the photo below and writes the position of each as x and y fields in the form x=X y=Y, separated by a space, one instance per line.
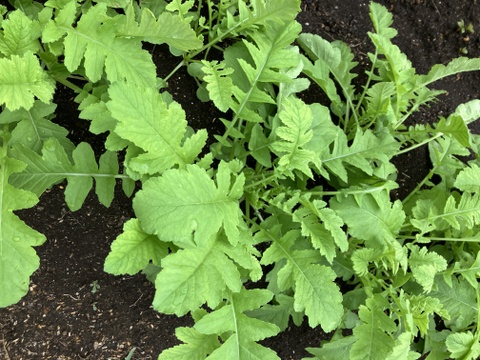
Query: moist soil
x=76 y=311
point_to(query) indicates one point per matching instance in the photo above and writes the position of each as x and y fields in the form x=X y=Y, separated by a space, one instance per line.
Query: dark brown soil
x=76 y=311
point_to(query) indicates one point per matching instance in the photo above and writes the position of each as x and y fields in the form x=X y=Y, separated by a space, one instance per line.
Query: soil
x=76 y=311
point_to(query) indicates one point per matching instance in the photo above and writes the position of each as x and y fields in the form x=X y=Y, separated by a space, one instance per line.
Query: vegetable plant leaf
x=295 y=133
x=20 y=34
x=373 y=338
x=219 y=85
x=468 y=179
x=465 y=346
x=95 y=40
x=196 y=345
x=315 y=291
x=194 y=276
x=245 y=330
x=54 y=165
x=425 y=266
x=133 y=250
x=187 y=201
x=146 y=120
x=21 y=80
x=371 y=217
x=18 y=259
x=34 y=127
x=459 y=300
x=168 y=29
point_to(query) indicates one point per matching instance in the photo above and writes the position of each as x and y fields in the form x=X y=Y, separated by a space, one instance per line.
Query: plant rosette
x=298 y=195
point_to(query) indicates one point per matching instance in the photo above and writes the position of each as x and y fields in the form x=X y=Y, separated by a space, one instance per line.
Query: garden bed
x=74 y=310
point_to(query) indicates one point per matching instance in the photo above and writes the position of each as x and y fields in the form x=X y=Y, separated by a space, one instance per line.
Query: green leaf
x=295 y=134
x=468 y=179
x=196 y=345
x=270 y=52
x=20 y=34
x=382 y=19
x=167 y=29
x=315 y=290
x=425 y=266
x=337 y=349
x=95 y=40
x=21 y=80
x=371 y=217
x=330 y=58
x=439 y=71
x=133 y=250
x=18 y=259
x=146 y=120
x=193 y=276
x=401 y=350
x=373 y=339
x=322 y=226
x=54 y=165
x=366 y=148
x=278 y=314
x=246 y=331
x=34 y=127
x=459 y=300
x=181 y=203
x=219 y=85
x=465 y=346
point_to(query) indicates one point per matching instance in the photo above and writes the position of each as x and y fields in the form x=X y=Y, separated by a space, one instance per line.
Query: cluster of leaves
x=299 y=195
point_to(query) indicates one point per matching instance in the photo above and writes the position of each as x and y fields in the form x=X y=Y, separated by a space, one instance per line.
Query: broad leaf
x=54 y=165
x=246 y=331
x=186 y=206
x=18 y=259
x=374 y=341
x=21 y=80
x=146 y=120
x=133 y=250
x=95 y=40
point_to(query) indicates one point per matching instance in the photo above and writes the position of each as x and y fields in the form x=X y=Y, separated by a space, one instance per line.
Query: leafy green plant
x=298 y=195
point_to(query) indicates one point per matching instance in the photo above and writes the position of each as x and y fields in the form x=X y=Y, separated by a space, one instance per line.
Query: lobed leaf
x=373 y=336
x=21 y=80
x=20 y=34
x=54 y=165
x=95 y=40
x=294 y=136
x=133 y=250
x=146 y=120
x=18 y=259
x=168 y=29
x=185 y=206
x=245 y=331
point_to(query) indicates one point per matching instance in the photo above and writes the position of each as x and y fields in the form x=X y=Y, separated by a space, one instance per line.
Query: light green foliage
x=196 y=345
x=188 y=207
x=294 y=135
x=95 y=40
x=133 y=250
x=18 y=259
x=19 y=34
x=54 y=165
x=305 y=193
x=373 y=336
x=464 y=345
x=245 y=331
x=21 y=80
x=145 y=119
x=168 y=28
x=219 y=85
x=315 y=291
